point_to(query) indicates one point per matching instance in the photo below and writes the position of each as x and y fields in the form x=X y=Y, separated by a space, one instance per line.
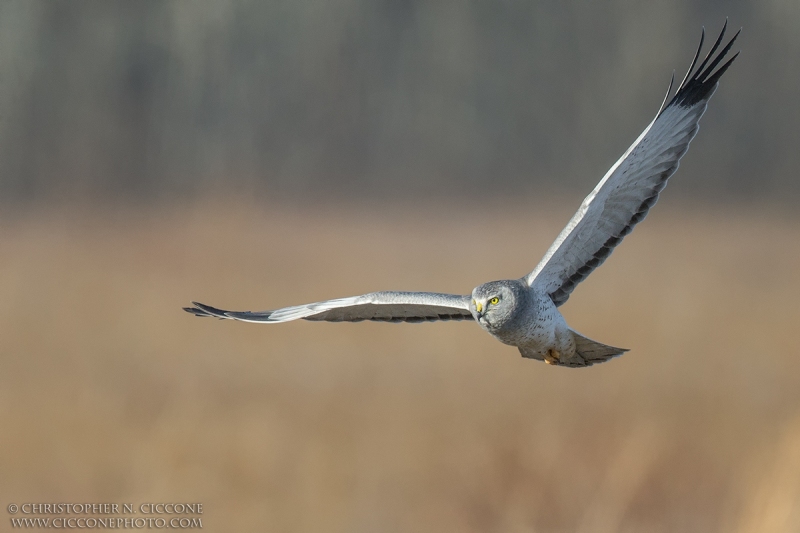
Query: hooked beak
x=478 y=308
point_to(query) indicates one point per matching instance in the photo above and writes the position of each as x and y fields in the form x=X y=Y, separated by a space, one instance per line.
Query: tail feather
x=589 y=352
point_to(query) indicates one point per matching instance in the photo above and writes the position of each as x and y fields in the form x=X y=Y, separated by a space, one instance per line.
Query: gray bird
x=524 y=312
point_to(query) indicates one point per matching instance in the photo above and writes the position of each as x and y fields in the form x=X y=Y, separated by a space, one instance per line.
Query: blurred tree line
x=154 y=99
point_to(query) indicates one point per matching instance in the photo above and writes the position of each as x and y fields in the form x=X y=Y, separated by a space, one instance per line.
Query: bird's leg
x=552 y=357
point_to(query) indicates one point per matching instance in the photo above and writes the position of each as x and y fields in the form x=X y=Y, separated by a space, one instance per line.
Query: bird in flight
x=524 y=312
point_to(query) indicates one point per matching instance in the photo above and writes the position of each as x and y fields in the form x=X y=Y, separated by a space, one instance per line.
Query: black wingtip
x=204 y=310
x=195 y=311
x=699 y=84
x=666 y=96
x=213 y=311
x=694 y=61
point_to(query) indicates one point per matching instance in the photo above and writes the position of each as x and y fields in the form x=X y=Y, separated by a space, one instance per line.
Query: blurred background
x=261 y=154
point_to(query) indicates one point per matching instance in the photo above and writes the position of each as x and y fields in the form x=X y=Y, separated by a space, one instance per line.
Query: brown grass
x=109 y=392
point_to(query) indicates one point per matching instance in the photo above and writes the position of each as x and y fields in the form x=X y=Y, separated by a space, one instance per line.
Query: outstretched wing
x=631 y=187
x=379 y=306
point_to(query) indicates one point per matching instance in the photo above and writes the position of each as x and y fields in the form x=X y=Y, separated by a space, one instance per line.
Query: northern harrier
x=524 y=312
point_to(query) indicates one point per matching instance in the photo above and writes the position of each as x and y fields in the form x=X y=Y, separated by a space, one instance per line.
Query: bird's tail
x=592 y=352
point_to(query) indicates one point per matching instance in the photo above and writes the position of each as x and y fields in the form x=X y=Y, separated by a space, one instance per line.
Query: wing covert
x=631 y=187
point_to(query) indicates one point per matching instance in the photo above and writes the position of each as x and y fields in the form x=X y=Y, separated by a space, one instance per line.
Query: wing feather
x=388 y=306
x=631 y=187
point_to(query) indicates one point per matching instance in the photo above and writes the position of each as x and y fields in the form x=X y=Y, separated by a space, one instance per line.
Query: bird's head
x=493 y=304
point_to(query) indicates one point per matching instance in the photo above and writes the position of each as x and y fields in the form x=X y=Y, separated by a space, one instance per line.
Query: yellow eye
x=494 y=301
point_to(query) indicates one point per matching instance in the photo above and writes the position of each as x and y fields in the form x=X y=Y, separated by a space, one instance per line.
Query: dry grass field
x=109 y=392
